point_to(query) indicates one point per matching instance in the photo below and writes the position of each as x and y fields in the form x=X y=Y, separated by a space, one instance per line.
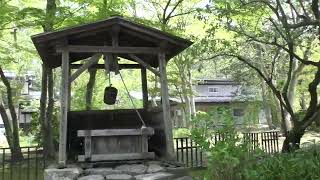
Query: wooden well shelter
x=107 y=134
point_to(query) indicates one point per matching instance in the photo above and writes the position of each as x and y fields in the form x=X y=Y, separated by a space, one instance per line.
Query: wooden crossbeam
x=93 y=60
x=116 y=132
x=101 y=66
x=110 y=49
x=144 y=64
x=120 y=156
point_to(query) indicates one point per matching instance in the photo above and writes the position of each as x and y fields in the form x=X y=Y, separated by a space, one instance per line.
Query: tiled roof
x=217 y=99
x=216 y=82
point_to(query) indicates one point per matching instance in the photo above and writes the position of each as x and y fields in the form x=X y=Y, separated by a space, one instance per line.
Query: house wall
x=242 y=113
x=223 y=90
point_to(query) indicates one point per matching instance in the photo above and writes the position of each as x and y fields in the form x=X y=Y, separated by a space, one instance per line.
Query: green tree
x=286 y=34
x=7 y=17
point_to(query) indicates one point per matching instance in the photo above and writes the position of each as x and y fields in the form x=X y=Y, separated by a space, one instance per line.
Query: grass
x=198 y=173
x=21 y=171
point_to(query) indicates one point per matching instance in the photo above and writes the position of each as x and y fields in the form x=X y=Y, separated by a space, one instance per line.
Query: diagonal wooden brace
x=144 y=64
x=93 y=60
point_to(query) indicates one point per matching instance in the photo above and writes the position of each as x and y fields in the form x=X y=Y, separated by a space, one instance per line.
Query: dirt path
x=308 y=138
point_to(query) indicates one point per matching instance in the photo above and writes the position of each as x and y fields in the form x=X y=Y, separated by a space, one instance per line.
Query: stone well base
x=152 y=170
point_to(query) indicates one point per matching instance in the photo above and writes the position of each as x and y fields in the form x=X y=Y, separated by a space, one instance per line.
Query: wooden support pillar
x=166 y=106
x=144 y=83
x=69 y=89
x=64 y=106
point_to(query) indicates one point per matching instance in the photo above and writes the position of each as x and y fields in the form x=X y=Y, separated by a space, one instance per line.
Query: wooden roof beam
x=110 y=49
x=144 y=64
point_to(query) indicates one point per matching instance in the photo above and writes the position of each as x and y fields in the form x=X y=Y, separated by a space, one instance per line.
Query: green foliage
x=181 y=132
x=231 y=159
x=251 y=114
x=227 y=158
x=36 y=131
x=27 y=139
x=300 y=165
x=102 y=81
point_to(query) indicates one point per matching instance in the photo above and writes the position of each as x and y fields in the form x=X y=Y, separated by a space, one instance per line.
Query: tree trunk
x=7 y=125
x=192 y=102
x=302 y=101
x=48 y=136
x=15 y=142
x=297 y=68
x=43 y=104
x=47 y=89
x=292 y=141
x=90 y=86
x=266 y=107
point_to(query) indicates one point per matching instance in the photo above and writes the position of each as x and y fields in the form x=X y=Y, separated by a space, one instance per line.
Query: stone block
x=132 y=168
x=102 y=171
x=92 y=177
x=155 y=168
x=155 y=176
x=184 y=178
x=119 y=177
x=62 y=174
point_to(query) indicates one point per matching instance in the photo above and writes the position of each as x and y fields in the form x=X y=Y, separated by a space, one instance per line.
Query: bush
x=36 y=127
x=299 y=165
x=227 y=158
x=181 y=132
x=231 y=159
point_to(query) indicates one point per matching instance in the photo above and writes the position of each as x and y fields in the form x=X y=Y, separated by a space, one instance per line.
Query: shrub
x=36 y=127
x=181 y=132
x=227 y=158
x=304 y=164
x=231 y=159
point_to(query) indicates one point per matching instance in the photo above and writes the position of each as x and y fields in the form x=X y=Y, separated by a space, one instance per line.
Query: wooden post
x=166 y=106
x=64 y=104
x=144 y=83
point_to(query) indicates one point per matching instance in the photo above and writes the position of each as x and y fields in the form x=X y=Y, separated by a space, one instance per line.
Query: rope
x=143 y=123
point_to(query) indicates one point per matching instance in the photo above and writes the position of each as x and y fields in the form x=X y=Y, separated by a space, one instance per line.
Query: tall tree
x=177 y=15
x=12 y=134
x=11 y=124
x=291 y=27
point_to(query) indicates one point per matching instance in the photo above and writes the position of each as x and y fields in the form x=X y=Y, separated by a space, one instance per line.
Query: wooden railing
x=29 y=168
x=191 y=155
x=188 y=152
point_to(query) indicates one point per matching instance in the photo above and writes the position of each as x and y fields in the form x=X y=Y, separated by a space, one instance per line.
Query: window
x=212 y=90
x=238 y=112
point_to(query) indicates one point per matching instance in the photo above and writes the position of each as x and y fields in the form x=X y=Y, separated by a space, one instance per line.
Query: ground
x=310 y=137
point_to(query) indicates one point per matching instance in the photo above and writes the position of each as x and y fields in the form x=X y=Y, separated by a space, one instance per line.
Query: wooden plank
x=122 y=156
x=64 y=101
x=87 y=146
x=101 y=66
x=93 y=60
x=117 y=132
x=144 y=143
x=144 y=83
x=166 y=106
x=144 y=64
x=141 y=36
x=115 y=35
x=159 y=35
x=110 y=49
x=144 y=140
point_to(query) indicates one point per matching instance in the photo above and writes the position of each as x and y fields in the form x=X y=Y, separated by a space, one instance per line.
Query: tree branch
x=173 y=9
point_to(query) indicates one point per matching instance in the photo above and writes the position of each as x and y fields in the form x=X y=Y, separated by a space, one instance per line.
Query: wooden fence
x=190 y=154
x=29 y=168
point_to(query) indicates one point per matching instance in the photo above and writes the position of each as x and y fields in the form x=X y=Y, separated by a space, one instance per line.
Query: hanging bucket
x=110 y=95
